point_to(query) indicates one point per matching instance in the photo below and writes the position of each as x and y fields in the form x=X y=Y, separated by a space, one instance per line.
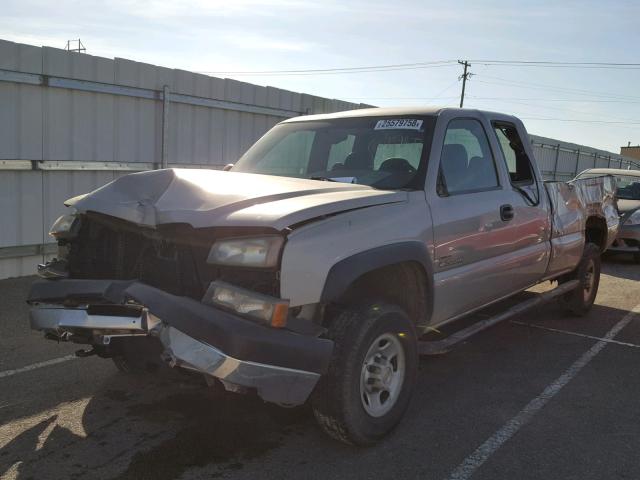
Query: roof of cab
x=611 y=171
x=389 y=111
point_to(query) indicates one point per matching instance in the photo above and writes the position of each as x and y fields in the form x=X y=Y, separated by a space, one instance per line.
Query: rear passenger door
x=473 y=222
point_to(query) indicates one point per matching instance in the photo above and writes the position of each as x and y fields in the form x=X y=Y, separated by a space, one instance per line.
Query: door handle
x=506 y=212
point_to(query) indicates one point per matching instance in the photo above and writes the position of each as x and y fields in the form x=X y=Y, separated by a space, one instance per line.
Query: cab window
x=466 y=162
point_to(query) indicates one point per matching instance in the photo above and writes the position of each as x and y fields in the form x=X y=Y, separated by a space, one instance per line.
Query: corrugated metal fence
x=563 y=161
x=71 y=122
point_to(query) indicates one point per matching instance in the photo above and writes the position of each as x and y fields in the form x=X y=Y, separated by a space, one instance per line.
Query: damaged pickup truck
x=312 y=268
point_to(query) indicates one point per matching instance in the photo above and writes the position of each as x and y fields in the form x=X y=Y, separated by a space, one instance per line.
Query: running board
x=439 y=347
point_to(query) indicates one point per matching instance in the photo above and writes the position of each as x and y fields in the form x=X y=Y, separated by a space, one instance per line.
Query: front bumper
x=628 y=240
x=281 y=365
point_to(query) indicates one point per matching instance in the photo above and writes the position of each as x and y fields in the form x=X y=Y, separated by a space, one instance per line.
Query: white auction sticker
x=403 y=123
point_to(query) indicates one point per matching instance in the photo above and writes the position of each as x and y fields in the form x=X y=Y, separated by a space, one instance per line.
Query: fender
x=348 y=270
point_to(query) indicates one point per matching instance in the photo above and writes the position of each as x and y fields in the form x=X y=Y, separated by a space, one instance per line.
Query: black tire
x=338 y=401
x=138 y=355
x=579 y=301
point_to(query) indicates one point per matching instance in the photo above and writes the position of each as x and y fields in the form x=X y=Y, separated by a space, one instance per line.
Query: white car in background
x=628 y=195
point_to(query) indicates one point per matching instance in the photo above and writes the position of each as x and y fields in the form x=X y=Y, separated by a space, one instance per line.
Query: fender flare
x=342 y=275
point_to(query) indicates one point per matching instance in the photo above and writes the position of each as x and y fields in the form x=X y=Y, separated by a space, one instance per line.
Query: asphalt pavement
x=545 y=396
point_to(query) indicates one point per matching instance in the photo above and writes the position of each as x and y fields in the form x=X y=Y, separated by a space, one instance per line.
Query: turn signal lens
x=63 y=227
x=268 y=310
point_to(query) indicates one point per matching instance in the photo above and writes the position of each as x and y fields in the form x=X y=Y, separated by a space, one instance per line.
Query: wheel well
x=403 y=284
x=596 y=232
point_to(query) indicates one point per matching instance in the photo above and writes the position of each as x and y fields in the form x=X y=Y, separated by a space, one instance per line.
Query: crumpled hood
x=210 y=198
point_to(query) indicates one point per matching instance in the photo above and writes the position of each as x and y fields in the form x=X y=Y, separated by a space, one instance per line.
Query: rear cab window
x=517 y=161
x=514 y=153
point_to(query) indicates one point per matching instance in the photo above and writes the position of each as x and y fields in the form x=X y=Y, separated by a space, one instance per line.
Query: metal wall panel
x=545 y=158
x=21 y=112
x=21 y=208
x=586 y=161
x=20 y=121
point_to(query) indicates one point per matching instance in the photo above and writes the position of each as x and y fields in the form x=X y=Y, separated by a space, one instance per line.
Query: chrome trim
x=284 y=386
x=58 y=319
x=275 y=384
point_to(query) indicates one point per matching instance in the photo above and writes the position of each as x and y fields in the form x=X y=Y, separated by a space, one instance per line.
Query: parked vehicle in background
x=628 y=196
x=312 y=267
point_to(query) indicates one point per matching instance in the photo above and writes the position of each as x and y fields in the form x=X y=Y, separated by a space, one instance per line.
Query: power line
x=447 y=88
x=539 y=99
x=551 y=119
x=566 y=90
x=556 y=64
x=333 y=71
x=548 y=62
x=429 y=64
x=554 y=109
x=476 y=97
x=409 y=98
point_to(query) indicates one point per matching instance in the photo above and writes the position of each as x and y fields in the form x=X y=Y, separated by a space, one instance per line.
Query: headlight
x=247 y=252
x=634 y=218
x=64 y=227
x=268 y=310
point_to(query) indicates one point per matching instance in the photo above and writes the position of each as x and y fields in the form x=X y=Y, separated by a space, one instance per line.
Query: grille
x=173 y=260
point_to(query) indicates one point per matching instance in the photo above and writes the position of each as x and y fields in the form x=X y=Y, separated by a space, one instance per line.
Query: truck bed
x=573 y=204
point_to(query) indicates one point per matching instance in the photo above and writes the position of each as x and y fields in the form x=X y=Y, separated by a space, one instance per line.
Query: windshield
x=628 y=185
x=383 y=152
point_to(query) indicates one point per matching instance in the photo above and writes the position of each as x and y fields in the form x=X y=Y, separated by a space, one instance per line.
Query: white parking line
x=468 y=467
x=576 y=334
x=34 y=366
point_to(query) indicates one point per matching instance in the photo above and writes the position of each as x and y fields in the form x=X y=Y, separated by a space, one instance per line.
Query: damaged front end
x=114 y=280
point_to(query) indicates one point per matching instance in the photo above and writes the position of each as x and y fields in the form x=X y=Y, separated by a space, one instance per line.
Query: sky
x=597 y=107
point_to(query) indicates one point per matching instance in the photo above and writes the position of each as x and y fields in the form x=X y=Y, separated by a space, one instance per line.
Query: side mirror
x=227 y=167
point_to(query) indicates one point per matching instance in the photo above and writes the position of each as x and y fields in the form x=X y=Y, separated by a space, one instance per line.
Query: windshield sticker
x=404 y=123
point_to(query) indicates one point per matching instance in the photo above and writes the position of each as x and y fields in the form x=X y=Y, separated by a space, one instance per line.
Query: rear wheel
x=371 y=376
x=579 y=301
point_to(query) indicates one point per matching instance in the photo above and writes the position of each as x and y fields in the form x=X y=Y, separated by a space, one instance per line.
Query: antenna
x=75 y=46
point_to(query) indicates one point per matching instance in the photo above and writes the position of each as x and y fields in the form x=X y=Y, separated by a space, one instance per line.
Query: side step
x=439 y=347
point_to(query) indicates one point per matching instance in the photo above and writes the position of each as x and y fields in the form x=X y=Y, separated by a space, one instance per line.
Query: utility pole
x=466 y=75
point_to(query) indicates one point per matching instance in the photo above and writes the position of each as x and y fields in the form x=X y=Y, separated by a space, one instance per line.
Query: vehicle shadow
x=155 y=430
x=162 y=428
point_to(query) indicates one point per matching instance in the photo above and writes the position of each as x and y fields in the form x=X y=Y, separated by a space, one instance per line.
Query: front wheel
x=579 y=301
x=371 y=376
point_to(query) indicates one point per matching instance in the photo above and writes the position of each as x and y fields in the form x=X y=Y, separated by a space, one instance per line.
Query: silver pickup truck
x=311 y=269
